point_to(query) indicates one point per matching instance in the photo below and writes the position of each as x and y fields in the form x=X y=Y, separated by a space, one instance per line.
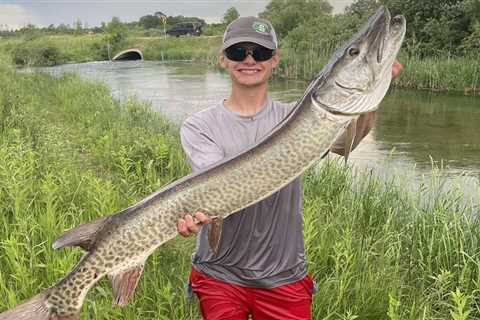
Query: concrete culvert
x=127 y=55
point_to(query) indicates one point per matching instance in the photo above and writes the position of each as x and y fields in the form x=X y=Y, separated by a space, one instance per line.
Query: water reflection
x=422 y=124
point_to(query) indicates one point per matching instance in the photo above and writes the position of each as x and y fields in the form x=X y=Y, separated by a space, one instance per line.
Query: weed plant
x=70 y=153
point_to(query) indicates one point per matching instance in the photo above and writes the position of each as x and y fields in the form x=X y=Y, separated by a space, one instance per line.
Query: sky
x=16 y=14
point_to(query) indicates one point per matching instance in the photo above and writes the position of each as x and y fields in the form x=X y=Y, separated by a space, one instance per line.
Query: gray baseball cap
x=250 y=29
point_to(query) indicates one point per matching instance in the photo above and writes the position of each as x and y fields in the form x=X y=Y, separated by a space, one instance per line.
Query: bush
x=30 y=54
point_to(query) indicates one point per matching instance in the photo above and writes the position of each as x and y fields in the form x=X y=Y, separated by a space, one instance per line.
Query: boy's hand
x=187 y=225
x=396 y=69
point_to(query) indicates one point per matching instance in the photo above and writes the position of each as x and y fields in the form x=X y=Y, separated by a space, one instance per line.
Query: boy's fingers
x=182 y=228
x=191 y=225
x=396 y=69
x=202 y=217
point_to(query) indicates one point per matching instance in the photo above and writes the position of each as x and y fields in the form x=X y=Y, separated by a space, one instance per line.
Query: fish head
x=358 y=75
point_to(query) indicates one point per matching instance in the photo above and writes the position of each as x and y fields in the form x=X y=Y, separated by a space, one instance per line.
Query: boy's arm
x=201 y=151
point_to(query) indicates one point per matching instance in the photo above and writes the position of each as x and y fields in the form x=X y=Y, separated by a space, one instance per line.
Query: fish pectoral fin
x=124 y=284
x=83 y=236
x=350 y=134
x=214 y=233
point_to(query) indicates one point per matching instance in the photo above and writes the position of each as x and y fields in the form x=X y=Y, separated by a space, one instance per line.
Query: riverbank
x=434 y=73
x=70 y=153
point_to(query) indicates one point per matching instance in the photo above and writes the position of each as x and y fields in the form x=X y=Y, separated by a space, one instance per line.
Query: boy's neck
x=247 y=101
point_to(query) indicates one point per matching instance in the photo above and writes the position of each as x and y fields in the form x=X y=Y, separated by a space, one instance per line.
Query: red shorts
x=224 y=301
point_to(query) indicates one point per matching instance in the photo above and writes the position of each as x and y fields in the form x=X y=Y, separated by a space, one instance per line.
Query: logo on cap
x=260 y=27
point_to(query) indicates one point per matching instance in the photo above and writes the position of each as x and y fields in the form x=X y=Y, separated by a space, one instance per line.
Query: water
x=415 y=131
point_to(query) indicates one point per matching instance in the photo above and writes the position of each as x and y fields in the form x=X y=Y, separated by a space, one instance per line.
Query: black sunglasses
x=240 y=52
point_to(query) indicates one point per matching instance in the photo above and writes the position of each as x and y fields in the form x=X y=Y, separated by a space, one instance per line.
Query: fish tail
x=33 y=309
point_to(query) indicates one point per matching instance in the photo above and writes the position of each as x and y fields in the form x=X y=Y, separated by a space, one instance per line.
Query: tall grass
x=441 y=74
x=379 y=252
x=60 y=49
x=70 y=153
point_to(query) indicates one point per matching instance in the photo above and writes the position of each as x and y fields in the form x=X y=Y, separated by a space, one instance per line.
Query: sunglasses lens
x=239 y=53
x=262 y=54
x=236 y=53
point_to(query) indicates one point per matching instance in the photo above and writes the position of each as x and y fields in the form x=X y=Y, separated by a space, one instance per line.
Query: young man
x=259 y=267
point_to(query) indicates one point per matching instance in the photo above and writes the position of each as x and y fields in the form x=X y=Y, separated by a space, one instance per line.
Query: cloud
x=14 y=16
x=18 y=13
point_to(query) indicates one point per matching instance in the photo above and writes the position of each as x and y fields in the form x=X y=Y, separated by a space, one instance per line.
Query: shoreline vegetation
x=441 y=73
x=69 y=153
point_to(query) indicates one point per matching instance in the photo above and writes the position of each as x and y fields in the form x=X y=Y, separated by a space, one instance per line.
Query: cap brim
x=263 y=43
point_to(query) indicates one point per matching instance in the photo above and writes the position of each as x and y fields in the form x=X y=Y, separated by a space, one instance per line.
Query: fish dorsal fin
x=83 y=236
x=124 y=284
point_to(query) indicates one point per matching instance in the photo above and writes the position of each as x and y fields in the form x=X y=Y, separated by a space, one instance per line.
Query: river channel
x=416 y=132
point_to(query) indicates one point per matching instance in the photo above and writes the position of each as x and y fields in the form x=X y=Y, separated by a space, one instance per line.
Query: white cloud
x=14 y=16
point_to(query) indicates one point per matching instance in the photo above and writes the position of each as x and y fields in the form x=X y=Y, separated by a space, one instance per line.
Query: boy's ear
x=221 y=61
x=276 y=58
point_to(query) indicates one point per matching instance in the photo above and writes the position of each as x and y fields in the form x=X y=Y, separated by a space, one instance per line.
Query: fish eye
x=353 y=51
x=397 y=20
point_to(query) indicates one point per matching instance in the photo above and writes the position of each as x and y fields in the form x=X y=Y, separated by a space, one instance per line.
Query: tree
x=287 y=15
x=115 y=31
x=434 y=26
x=230 y=15
x=149 y=21
x=362 y=9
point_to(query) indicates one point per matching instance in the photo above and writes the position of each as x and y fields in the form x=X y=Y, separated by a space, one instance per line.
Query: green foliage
x=213 y=29
x=115 y=31
x=360 y=10
x=69 y=153
x=230 y=15
x=29 y=54
x=471 y=44
x=183 y=48
x=434 y=27
x=50 y=50
x=150 y=21
x=460 y=309
x=377 y=251
x=287 y=15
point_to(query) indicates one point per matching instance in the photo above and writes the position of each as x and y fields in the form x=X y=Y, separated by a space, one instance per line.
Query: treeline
x=434 y=27
x=148 y=25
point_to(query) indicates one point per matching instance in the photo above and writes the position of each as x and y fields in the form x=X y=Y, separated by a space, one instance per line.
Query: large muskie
x=353 y=82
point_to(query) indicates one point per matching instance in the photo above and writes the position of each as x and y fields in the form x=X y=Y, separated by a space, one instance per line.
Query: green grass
x=70 y=153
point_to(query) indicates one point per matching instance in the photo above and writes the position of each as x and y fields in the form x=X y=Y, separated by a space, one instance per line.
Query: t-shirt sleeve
x=198 y=145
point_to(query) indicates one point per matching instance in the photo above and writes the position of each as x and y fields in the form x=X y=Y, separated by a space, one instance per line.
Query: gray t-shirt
x=260 y=246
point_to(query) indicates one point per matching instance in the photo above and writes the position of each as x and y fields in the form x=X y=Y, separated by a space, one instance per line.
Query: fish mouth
x=382 y=29
x=378 y=31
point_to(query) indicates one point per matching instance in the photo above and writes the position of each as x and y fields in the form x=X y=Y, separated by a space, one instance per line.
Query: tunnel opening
x=128 y=55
